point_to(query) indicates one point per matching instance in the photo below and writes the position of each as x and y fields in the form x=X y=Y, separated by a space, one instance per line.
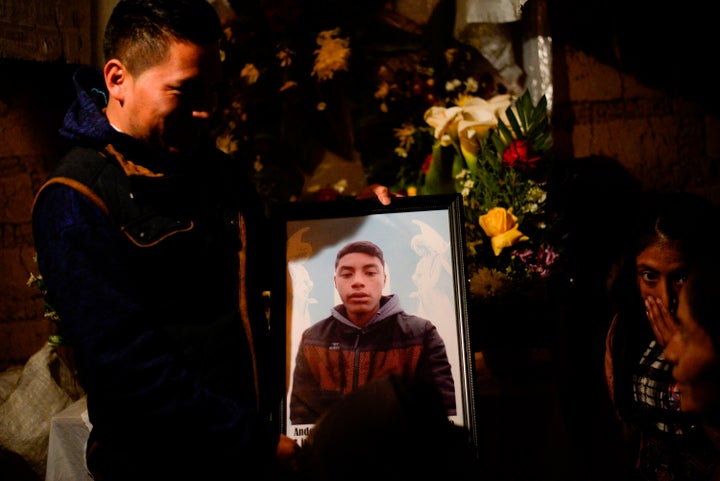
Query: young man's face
x=360 y=279
x=169 y=105
x=697 y=364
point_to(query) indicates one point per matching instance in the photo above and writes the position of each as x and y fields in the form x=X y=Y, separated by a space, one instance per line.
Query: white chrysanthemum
x=451 y=85
x=471 y=85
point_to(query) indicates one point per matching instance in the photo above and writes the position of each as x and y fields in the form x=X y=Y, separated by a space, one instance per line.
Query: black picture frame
x=308 y=236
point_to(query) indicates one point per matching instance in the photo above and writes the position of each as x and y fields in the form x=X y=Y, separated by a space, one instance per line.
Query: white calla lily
x=500 y=103
x=440 y=117
x=473 y=112
x=480 y=111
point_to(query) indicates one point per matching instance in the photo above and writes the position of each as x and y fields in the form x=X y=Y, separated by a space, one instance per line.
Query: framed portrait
x=323 y=294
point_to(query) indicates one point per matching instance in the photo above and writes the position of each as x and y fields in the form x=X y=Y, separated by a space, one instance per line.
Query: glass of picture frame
x=423 y=243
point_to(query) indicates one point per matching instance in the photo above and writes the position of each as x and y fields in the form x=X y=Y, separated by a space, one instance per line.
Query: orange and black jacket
x=336 y=357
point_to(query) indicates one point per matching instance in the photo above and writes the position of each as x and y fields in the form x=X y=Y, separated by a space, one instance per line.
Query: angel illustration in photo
x=433 y=274
x=299 y=285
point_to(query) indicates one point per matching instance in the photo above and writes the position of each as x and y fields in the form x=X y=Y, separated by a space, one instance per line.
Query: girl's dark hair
x=679 y=218
x=138 y=31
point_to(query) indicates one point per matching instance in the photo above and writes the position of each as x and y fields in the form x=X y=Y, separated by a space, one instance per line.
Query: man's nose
x=201 y=114
x=205 y=106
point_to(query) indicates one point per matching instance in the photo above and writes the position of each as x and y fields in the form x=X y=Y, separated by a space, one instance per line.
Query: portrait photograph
x=411 y=253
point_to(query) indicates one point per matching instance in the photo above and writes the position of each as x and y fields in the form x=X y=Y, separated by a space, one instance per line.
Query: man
x=149 y=241
x=366 y=337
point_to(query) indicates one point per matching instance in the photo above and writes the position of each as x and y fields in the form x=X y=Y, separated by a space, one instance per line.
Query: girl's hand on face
x=662 y=321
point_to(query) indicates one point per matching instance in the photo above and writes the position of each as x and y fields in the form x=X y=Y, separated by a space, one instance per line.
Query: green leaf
x=505 y=137
x=513 y=123
x=439 y=178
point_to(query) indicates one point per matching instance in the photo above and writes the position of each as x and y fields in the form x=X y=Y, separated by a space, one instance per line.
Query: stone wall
x=46 y=31
x=665 y=141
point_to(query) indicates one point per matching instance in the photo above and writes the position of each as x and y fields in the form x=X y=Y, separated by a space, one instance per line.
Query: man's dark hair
x=139 y=31
x=365 y=247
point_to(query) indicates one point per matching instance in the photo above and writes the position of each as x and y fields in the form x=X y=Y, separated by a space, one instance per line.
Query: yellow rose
x=502 y=228
x=497 y=221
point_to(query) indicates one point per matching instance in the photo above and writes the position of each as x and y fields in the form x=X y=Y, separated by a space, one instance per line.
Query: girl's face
x=697 y=365
x=661 y=271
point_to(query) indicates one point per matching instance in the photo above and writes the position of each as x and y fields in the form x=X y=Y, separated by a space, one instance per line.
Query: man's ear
x=116 y=78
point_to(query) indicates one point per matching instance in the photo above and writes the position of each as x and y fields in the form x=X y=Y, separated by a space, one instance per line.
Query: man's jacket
x=158 y=289
x=336 y=357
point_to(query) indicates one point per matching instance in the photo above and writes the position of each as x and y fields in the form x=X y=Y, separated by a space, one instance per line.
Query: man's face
x=360 y=279
x=697 y=365
x=170 y=104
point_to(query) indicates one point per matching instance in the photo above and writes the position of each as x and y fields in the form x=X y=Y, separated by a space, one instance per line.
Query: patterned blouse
x=673 y=445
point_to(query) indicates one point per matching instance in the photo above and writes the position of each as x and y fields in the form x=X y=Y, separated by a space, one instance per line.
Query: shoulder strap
x=78 y=174
x=103 y=177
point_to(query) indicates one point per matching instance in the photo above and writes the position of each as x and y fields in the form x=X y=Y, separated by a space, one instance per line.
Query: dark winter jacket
x=147 y=262
x=336 y=357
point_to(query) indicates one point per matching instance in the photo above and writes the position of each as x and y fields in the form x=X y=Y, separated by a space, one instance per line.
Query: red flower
x=426 y=165
x=516 y=154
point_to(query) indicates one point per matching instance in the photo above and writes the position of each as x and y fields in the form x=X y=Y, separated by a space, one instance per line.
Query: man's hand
x=287 y=451
x=382 y=193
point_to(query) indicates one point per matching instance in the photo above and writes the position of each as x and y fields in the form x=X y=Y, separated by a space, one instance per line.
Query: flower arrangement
x=498 y=154
x=422 y=120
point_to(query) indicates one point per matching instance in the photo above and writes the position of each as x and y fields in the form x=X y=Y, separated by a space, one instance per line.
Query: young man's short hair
x=366 y=247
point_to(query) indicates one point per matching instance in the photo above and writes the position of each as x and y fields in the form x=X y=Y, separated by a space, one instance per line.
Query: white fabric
x=69 y=431
x=45 y=387
x=489 y=11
